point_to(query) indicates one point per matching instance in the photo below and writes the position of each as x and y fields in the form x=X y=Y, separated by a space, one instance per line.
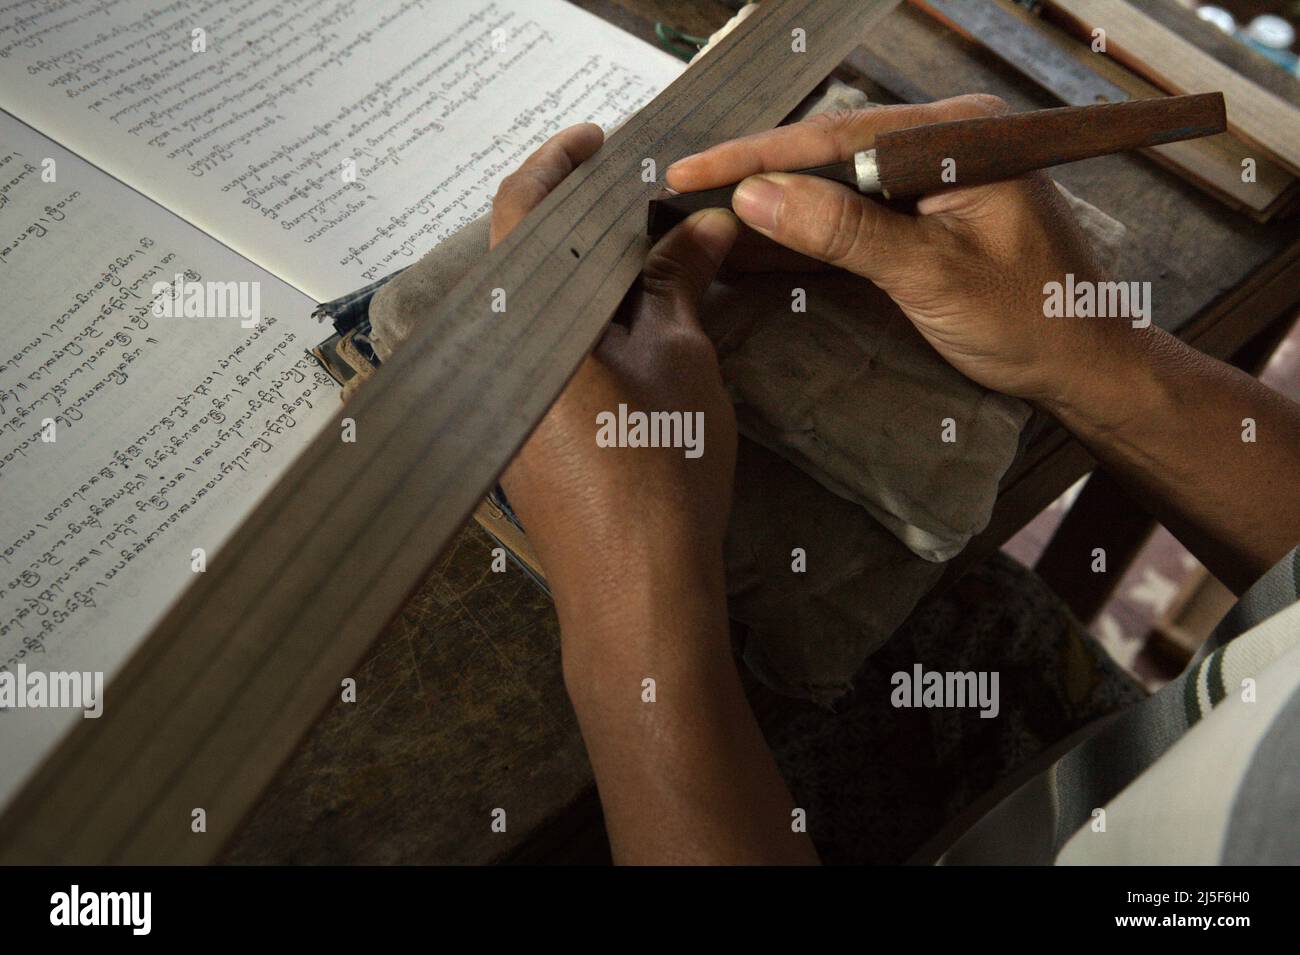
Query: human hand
x=968 y=269
x=630 y=539
x=599 y=514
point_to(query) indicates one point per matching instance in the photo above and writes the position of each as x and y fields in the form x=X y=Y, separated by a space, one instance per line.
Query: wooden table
x=462 y=708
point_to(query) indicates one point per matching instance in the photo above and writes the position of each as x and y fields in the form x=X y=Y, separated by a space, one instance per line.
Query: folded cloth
x=850 y=393
x=845 y=407
x=404 y=301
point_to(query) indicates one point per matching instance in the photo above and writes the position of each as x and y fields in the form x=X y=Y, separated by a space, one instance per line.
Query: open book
x=180 y=184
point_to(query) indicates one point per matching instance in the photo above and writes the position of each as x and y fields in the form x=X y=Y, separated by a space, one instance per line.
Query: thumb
x=830 y=222
x=683 y=264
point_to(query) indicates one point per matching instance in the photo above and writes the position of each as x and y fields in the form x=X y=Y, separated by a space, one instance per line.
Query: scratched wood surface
x=462 y=707
x=1228 y=50
x=461 y=710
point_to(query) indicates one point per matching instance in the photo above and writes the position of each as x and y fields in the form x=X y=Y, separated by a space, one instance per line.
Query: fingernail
x=756 y=201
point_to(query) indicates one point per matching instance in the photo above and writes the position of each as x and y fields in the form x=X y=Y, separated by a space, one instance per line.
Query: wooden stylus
x=972 y=152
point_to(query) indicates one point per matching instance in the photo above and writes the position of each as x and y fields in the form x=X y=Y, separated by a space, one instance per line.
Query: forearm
x=683 y=770
x=1175 y=426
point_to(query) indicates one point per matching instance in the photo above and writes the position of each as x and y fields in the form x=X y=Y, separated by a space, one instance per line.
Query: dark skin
x=631 y=538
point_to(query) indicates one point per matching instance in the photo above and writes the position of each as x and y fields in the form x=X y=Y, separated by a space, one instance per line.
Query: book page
x=330 y=141
x=134 y=436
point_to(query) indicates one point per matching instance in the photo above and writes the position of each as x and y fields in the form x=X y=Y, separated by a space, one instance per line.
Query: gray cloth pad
x=844 y=408
x=850 y=393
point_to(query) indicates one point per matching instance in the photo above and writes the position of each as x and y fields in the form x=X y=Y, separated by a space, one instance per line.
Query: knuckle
x=840 y=127
x=508 y=185
x=523 y=189
x=664 y=274
x=684 y=343
x=843 y=229
x=834 y=120
x=988 y=103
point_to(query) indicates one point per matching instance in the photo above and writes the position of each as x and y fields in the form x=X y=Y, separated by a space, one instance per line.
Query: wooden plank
x=1105 y=516
x=1010 y=33
x=1213 y=164
x=1181 y=18
x=1235 y=318
x=1169 y=61
x=220 y=693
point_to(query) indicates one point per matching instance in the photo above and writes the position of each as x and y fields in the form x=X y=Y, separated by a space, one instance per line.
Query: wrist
x=1104 y=378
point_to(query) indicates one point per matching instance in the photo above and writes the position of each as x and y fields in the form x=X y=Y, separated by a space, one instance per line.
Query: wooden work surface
x=461 y=704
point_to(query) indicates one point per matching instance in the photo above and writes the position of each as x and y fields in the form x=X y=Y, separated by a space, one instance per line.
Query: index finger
x=816 y=141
